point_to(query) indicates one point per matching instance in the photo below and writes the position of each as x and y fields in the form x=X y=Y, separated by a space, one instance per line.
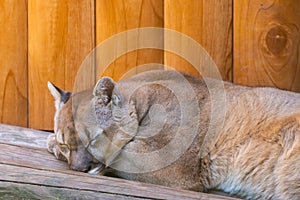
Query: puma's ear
x=103 y=89
x=60 y=96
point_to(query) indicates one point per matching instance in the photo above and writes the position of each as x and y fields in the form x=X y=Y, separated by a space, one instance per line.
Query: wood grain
x=116 y=16
x=27 y=156
x=27 y=137
x=90 y=183
x=61 y=34
x=267 y=43
x=13 y=62
x=30 y=172
x=13 y=191
x=207 y=22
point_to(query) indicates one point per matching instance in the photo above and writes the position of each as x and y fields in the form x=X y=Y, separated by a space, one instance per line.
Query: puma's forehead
x=64 y=119
x=64 y=123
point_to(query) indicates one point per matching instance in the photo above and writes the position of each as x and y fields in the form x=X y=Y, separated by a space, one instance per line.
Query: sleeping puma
x=254 y=153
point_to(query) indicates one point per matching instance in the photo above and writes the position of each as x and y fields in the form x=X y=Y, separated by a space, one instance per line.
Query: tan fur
x=255 y=156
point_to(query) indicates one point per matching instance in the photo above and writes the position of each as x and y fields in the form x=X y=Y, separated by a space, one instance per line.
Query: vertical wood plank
x=207 y=22
x=116 y=16
x=13 y=62
x=267 y=43
x=61 y=34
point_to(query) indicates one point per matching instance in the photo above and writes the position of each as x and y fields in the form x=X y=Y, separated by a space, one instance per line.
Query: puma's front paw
x=52 y=147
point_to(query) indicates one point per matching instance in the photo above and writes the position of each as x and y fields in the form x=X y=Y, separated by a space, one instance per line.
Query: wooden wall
x=266 y=43
x=61 y=34
x=13 y=62
x=210 y=24
x=252 y=42
x=116 y=16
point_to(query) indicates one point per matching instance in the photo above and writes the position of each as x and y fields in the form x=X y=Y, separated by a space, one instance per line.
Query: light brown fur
x=255 y=156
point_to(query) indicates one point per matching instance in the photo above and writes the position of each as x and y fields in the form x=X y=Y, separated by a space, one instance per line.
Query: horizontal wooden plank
x=30 y=157
x=92 y=183
x=26 y=166
x=13 y=191
x=23 y=136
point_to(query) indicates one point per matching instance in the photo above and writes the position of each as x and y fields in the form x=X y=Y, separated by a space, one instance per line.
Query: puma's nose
x=80 y=169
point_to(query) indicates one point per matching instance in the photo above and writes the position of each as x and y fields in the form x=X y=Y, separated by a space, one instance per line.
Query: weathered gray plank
x=15 y=191
x=85 y=182
x=30 y=157
x=23 y=136
x=26 y=166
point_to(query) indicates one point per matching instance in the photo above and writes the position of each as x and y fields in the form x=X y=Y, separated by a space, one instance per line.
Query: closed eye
x=64 y=148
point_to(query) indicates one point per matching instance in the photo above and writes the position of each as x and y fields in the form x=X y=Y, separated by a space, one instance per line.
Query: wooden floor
x=28 y=171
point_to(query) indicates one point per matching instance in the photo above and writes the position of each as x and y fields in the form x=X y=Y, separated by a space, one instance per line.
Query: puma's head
x=87 y=126
x=65 y=143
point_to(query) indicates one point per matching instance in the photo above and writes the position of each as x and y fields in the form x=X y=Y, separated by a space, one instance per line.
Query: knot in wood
x=276 y=40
